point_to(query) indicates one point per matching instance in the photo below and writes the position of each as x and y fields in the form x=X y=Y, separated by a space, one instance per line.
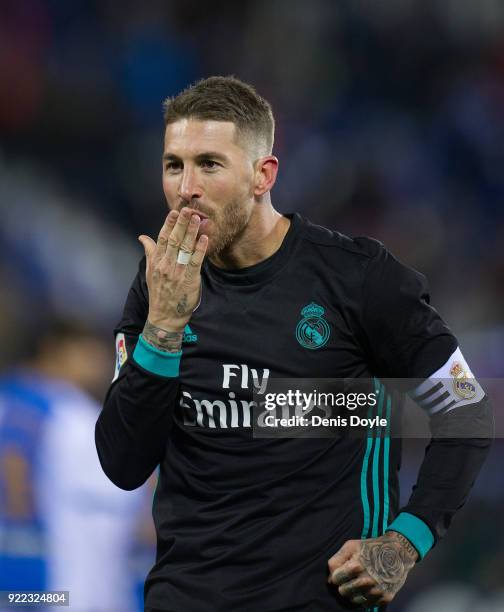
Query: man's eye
x=209 y=164
x=172 y=166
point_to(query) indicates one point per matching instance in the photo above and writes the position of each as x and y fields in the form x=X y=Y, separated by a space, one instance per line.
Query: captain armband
x=450 y=387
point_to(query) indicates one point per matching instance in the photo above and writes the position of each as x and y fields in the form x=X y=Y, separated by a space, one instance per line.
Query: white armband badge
x=452 y=386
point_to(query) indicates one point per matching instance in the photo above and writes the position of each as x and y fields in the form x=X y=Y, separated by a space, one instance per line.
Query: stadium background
x=390 y=123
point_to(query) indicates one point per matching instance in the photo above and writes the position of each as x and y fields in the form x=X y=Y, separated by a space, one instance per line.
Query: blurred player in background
x=64 y=526
x=231 y=294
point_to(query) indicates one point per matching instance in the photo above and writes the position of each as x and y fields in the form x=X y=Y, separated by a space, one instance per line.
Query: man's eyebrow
x=169 y=156
x=205 y=155
x=212 y=155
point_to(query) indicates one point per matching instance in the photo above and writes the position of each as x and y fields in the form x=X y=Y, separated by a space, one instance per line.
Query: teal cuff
x=415 y=530
x=156 y=361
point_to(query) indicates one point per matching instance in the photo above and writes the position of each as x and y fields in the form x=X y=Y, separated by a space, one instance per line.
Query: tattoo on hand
x=388 y=560
x=182 y=305
x=163 y=340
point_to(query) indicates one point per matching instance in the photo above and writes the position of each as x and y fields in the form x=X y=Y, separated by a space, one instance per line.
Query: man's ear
x=266 y=169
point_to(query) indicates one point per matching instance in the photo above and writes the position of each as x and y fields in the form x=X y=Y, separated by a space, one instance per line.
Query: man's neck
x=261 y=238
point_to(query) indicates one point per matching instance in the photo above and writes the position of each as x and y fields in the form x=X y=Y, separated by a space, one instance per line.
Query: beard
x=229 y=224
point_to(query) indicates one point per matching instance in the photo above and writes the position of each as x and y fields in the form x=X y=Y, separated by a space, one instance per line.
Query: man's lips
x=201 y=214
x=205 y=219
x=203 y=227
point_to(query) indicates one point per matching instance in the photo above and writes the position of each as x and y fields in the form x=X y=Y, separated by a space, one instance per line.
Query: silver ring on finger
x=360 y=600
x=184 y=257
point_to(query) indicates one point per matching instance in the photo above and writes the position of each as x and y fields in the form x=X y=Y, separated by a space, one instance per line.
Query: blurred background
x=390 y=123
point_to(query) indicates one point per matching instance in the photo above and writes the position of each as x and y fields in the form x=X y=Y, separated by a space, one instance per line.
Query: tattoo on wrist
x=182 y=305
x=163 y=340
x=388 y=560
x=406 y=544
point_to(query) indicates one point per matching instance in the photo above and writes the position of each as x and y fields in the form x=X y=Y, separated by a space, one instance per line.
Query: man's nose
x=188 y=187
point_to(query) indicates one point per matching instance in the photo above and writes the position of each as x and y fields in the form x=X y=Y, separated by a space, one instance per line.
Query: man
x=233 y=294
x=64 y=526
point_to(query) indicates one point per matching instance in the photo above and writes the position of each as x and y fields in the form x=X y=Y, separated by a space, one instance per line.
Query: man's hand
x=174 y=288
x=370 y=572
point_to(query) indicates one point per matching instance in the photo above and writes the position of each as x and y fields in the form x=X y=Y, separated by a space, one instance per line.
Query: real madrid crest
x=463 y=386
x=313 y=330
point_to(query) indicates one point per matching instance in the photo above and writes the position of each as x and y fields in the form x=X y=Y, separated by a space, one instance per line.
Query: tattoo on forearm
x=388 y=560
x=170 y=342
x=182 y=305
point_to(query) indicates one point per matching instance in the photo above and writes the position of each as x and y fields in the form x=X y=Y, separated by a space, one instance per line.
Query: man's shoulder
x=360 y=246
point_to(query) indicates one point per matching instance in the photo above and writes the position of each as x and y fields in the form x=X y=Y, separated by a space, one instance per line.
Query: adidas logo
x=189 y=336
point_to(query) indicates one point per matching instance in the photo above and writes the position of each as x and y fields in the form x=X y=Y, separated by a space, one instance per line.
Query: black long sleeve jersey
x=247 y=524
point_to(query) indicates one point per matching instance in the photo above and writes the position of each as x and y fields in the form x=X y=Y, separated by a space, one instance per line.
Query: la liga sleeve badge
x=121 y=354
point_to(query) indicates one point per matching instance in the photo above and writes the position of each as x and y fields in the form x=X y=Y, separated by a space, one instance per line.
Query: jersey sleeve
x=132 y=431
x=406 y=336
x=408 y=339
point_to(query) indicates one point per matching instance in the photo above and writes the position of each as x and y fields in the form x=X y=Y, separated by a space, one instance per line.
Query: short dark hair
x=220 y=98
